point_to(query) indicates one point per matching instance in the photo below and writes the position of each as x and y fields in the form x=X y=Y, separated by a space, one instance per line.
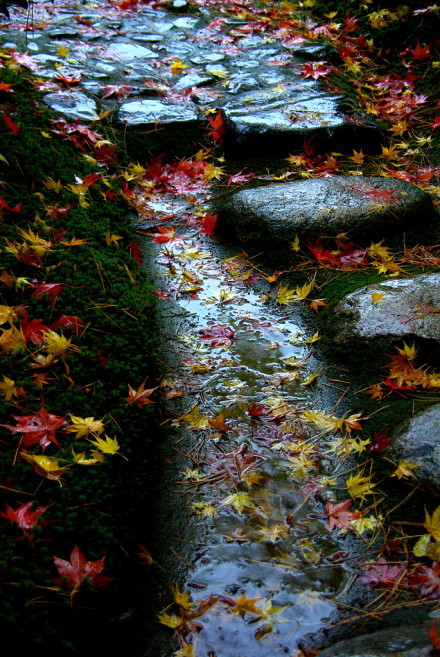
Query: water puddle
x=263 y=576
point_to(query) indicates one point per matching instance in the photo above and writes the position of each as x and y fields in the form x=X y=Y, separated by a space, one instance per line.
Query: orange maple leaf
x=140 y=396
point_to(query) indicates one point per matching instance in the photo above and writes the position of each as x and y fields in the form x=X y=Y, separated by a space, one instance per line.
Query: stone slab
x=361 y=206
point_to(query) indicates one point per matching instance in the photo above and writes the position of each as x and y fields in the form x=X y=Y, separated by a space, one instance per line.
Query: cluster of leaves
x=77 y=344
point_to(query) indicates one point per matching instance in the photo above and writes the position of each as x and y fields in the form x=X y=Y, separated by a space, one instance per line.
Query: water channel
x=259 y=560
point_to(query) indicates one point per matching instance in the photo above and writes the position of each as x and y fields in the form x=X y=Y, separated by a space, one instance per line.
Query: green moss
x=105 y=509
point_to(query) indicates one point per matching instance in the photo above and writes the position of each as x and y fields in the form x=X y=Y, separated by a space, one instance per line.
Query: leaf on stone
x=196 y=420
x=339 y=516
x=382 y=573
x=244 y=605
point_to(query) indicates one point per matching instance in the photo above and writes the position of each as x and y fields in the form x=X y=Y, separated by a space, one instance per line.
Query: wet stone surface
x=401 y=642
x=417 y=442
x=408 y=308
x=273 y=215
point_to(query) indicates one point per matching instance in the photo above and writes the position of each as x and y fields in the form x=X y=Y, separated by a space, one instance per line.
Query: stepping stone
x=72 y=104
x=408 y=307
x=152 y=111
x=257 y=127
x=157 y=126
x=360 y=206
x=417 y=442
x=402 y=641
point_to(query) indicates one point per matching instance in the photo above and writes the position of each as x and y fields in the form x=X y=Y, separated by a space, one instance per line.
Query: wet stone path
x=263 y=575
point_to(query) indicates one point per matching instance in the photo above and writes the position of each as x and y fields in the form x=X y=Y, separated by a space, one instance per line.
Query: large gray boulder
x=403 y=641
x=418 y=441
x=272 y=215
x=408 y=307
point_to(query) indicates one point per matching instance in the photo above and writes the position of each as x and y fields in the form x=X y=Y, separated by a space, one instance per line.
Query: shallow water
x=266 y=557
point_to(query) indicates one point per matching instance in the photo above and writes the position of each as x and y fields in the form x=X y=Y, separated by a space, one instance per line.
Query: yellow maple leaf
x=13 y=340
x=7 y=314
x=180 y=598
x=82 y=459
x=295 y=244
x=50 y=183
x=8 y=389
x=357 y=157
x=432 y=523
x=239 y=501
x=243 y=605
x=376 y=297
x=196 y=420
x=170 y=620
x=57 y=345
x=112 y=240
x=107 y=446
x=359 y=486
x=84 y=426
x=186 y=651
x=404 y=469
x=212 y=172
x=45 y=466
x=177 y=67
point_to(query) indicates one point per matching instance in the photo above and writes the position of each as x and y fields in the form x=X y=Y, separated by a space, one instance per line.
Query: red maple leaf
x=164 y=235
x=434 y=637
x=4 y=206
x=24 y=516
x=421 y=53
x=73 y=322
x=136 y=252
x=256 y=411
x=378 y=194
x=382 y=573
x=39 y=427
x=13 y=127
x=53 y=290
x=118 y=90
x=317 y=70
x=33 y=330
x=218 y=128
x=436 y=123
x=91 y=179
x=218 y=335
x=78 y=570
x=68 y=81
x=426 y=580
x=339 y=516
x=4 y=86
x=381 y=440
x=239 y=178
x=208 y=223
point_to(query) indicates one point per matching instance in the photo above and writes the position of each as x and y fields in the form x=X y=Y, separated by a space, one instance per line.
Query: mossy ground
x=106 y=508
